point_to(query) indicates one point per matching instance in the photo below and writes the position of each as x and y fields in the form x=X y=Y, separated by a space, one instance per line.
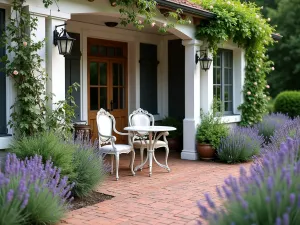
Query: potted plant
x=210 y=131
x=174 y=138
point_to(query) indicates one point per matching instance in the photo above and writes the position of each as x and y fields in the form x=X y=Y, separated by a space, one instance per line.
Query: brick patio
x=164 y=198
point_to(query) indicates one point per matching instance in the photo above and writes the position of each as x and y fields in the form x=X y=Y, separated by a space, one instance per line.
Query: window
x=223 y=79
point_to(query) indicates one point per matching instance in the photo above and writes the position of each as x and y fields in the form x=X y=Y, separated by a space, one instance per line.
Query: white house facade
x=122 y=68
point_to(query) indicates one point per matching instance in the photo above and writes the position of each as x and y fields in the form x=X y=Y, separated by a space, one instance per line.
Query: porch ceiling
x=100 y=20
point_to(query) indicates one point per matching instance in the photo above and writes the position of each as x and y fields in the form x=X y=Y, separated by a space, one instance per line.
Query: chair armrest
x=121 y=133
x=113 y=138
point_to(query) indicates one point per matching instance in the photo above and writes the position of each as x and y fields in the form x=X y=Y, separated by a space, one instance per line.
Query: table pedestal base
x=150 y=157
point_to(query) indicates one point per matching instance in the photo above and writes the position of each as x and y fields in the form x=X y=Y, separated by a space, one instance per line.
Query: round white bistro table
x=154 y=132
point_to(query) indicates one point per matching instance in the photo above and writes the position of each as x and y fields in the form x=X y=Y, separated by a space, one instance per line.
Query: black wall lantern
x=205 y=61
x=63 y=40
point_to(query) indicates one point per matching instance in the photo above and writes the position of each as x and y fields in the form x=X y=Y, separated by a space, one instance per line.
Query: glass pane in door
x=103 y=97
x=93 y=98
x=115 y=74
x=115 y=98
x=93 y=73
x=103 y=73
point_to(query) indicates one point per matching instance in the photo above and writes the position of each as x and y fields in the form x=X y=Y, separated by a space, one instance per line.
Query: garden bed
x=92 y=199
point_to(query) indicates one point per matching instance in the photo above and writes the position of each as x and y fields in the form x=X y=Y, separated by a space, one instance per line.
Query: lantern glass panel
x=63 y=46
x=69 y=46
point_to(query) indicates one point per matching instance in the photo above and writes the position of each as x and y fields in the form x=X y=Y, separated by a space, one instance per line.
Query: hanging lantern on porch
x=205 y=61
x=63 y=41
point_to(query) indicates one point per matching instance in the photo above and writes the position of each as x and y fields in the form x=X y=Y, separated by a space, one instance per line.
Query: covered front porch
x=121 y=69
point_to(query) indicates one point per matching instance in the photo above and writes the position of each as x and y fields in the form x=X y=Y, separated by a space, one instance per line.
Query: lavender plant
x=270 y=123
x=88 y=167
x=289 y=129
x=268 y=194
x=32 y=190
x=240 y=145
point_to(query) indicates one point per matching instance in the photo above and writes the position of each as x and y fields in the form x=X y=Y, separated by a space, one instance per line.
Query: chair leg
x=117 y=165
x=166 y=158
x=112 y=164
x=132 y=162
x=142 y=156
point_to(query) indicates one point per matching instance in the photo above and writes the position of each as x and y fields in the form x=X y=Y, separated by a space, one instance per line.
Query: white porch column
x=55 y=63
x=206 y=88
x=192 y=100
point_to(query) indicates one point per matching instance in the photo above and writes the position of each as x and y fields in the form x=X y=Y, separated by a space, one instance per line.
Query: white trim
x=231 y=119
x=5 y=142
x=133 y=39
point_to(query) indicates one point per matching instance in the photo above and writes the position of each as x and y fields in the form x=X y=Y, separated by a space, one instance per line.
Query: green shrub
x=89 y=169
x=50 y=146
x=211 y=128
x=288 y=102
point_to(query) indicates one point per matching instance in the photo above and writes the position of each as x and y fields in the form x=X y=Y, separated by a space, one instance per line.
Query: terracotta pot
x=175 y=144
x=206 y=151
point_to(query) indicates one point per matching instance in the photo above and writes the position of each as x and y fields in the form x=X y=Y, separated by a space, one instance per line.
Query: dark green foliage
x=288 y=102
x=211 y=128
x=286 y=53
x=244 y=25
x=49 y=146
x=89 y=169
x=43 y=208
x=171 y=121
x=10 y=214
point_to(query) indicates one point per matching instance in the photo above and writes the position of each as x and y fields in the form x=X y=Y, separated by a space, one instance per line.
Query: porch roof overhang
x=197 y=11
x=186 y=9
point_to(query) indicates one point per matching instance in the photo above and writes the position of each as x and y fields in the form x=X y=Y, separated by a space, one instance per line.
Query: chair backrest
x=105 y=123
x=141 y=117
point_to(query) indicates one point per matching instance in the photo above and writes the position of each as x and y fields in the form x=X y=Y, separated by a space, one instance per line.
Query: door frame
x=109 y=60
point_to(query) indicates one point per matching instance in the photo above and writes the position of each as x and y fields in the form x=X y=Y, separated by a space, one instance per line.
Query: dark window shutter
x=148 y=77
x=3 y=123
x=72 y=72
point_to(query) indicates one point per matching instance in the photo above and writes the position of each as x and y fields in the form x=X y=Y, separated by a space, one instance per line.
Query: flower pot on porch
x=206 y=151
x=175 y=144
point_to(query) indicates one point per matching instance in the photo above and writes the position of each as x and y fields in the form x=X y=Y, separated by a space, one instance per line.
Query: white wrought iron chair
x=142 y=117
x=106 y=123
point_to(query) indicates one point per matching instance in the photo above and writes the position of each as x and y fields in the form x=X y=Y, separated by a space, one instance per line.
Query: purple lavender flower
x=270 y=124
x=292 y=198
x=286 y=219
x=203 y=210
x=240 y=145
x=278 y=221
x=264 y=184
x=32 y=174
x=209 y=201
x=10 y=195
x=219 y=192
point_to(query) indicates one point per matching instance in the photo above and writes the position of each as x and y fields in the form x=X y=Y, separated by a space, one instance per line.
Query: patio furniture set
x=142 y=134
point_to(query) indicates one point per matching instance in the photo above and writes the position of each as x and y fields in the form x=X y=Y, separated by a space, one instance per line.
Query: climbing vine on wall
x=140 y=13
x=30 y=112
x=244 y=25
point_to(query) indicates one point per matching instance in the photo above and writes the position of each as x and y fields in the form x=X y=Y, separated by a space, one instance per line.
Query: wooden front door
x=107 y=83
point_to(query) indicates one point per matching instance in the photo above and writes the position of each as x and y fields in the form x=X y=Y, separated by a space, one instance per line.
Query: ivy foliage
x=244 y=25
x=30 y=112
x=140 y=13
